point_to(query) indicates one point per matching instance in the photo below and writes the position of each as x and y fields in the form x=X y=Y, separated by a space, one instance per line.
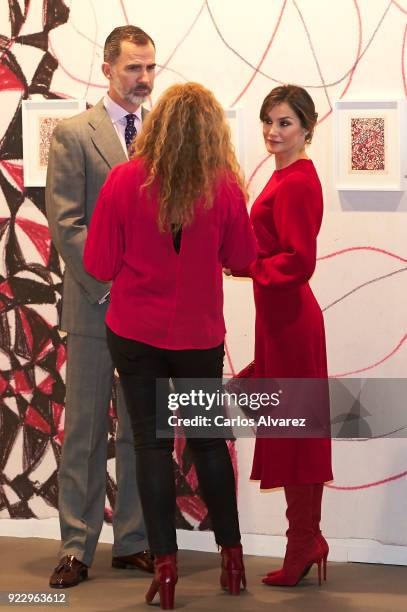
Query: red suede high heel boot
x=164 y=581
x=233 y=577
x=303 y=548
x=316 y=519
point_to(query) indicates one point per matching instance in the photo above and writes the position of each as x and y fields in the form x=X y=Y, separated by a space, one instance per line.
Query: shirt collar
x=117 y=112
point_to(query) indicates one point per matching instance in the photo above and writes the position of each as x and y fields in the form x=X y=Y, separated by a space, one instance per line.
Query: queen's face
x=283 y=133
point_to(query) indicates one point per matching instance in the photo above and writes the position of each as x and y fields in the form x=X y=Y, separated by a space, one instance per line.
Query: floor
x=27 y=564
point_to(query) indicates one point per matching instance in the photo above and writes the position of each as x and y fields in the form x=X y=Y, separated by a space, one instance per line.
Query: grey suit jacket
x=83 y=150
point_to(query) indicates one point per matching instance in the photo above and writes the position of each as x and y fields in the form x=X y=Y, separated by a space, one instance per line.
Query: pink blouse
x=159 y=297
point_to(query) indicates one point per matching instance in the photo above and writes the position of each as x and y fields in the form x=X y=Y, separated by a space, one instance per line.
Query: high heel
x=324 y=560
x=323 y=544
x=164 y=581
x=297 y=563
x=324 y=551
x=233 y=577
x=318 y=491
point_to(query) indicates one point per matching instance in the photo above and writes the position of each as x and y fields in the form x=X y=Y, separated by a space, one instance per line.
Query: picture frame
x=370 y=145
x=235 y=120
x=39 y=118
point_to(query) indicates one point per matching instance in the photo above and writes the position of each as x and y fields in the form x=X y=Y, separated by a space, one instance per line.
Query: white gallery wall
x=351 y=49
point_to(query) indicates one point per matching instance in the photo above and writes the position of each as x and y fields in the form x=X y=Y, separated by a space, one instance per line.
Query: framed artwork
x=39 y=120
x=370 y=145
x=234 y=117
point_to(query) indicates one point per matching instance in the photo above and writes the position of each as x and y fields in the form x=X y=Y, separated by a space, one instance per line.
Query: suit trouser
x=82 y=472
x=139 y=365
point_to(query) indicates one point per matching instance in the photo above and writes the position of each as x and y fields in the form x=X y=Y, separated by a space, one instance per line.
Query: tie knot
x=130 y=119
x=130 y=130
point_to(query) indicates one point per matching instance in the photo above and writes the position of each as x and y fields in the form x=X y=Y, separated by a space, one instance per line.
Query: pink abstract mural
x=358 y=269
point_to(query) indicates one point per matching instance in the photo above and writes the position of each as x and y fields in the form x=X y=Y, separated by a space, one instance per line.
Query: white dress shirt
x=117 y=115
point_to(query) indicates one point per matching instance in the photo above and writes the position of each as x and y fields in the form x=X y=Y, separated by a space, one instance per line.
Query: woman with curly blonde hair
x=165 y=224
x=185 y=142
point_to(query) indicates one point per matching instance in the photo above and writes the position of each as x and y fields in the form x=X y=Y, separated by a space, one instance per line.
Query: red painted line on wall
x=358 y=51
x=355 y=65
x=257 y=168
x=163 y=66
x=71 y=76
x=232 y=369
x=403 y=65
x=399 y=7
x=368 y=485
x=124 y=11
x=373 y=365
x=263 y=57
x=362 y=248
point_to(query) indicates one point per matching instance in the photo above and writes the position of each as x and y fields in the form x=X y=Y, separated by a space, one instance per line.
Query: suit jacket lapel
x=104 y=136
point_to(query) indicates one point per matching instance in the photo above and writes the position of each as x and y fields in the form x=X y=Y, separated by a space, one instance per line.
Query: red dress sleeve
x=297 y=218
x=105 y=240
x=238 y=248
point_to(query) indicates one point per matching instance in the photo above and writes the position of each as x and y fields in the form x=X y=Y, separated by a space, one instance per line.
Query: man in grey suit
x=83 y=150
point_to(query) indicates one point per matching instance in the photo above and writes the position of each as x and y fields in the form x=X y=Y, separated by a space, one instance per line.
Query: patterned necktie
x=130 y=131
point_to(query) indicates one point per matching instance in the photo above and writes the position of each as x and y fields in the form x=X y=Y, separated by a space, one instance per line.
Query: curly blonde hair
x=185 y=142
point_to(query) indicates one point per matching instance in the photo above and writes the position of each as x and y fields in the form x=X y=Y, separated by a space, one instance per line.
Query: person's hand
x=227 y=271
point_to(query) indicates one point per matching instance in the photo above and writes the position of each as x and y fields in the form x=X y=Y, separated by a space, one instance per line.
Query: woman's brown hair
x=185 y=142
x=299 y=100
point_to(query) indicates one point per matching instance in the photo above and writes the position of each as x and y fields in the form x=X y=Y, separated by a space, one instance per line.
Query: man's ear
x=106 y=70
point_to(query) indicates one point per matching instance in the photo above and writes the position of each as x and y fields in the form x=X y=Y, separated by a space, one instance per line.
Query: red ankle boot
x=164 y=581
x=303 y=548
x=233 y=576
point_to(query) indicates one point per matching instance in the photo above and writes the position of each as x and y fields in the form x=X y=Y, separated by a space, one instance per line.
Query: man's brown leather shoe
x=142 y=560
x=68 y=573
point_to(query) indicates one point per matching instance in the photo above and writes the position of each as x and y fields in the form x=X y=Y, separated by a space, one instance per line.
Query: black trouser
x=139 y=365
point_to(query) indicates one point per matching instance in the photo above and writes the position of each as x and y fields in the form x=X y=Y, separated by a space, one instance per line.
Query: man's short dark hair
x=113 y=42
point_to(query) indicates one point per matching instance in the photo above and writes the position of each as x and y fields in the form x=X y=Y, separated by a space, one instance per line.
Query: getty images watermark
x=347 y=408
x=213 y=408
x=219 y=401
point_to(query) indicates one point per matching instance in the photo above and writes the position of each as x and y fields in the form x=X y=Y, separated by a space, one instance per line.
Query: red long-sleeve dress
x=289 y=336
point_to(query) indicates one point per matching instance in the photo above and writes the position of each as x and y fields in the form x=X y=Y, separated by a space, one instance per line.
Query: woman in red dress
x=289 y=337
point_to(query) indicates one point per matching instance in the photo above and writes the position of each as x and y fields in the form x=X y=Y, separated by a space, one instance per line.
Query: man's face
x=131 y=76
